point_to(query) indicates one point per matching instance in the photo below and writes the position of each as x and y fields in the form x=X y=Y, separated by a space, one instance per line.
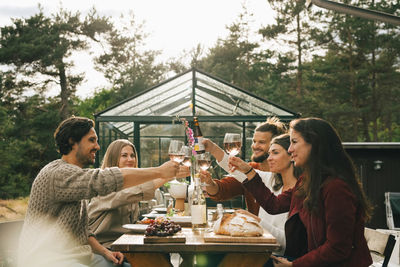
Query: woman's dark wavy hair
x=327 y=159
x=71 y=131
x=284 y=141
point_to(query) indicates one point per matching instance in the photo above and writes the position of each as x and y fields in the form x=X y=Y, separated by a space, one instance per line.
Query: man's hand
x=115 y=257
x=209 y=145
x=183 y=172
x=214 y=149
x=169 y=169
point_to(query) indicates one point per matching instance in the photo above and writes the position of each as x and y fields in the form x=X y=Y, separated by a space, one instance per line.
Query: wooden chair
x=380 y=245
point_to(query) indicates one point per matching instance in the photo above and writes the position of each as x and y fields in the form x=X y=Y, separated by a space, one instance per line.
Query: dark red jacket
x=229 y=188
x=335 y=236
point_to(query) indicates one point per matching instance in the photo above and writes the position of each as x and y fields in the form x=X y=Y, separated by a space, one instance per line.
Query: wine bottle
x=198 y=137
x=198 y=207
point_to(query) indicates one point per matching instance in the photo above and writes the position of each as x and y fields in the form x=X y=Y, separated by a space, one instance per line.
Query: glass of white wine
x=232 y=144
x=187 y=160
x=175 y=151
x=203 y=162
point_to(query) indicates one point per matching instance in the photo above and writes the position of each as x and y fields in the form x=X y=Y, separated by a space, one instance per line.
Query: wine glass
x=232 y=143
x=175 y=151
x=187 y=160
x=203 y=162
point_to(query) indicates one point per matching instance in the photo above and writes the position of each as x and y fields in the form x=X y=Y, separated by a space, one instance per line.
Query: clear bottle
x=198 y=137
x=198 y=207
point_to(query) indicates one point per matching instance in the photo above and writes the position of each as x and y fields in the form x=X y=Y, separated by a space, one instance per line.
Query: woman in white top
x=282 y=176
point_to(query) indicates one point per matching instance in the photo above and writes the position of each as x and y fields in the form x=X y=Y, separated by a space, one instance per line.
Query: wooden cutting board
x=265 y=238
x=176 y=238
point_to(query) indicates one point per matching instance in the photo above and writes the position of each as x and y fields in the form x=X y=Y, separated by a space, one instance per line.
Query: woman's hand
x=115 y=257
x=239 y=164
x=280 y=262
x=205 y=177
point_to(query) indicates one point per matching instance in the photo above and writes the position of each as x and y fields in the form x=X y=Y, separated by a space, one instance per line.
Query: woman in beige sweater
x=108 y=213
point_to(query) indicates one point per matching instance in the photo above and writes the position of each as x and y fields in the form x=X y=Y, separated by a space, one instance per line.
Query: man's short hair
x=71 y=131
x=272 y=125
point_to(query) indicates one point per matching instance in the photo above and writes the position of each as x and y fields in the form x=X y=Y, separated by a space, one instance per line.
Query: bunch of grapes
x=162 y=228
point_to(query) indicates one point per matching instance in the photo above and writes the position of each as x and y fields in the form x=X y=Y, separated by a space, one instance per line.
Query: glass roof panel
x=147 y=102
x=213 y=96
x=221 y=107
x=247 y=101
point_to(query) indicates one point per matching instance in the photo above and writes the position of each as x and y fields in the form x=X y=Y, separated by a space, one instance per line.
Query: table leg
x=187 y=260
x=245 y=259
x=148 y=259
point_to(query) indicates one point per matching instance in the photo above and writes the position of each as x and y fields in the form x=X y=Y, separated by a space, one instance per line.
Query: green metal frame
x=207 y=84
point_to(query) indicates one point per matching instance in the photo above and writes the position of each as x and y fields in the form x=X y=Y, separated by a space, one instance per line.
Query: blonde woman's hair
x=113 y=153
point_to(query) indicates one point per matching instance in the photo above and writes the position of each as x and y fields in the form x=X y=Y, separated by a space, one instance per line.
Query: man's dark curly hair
x=70 y=131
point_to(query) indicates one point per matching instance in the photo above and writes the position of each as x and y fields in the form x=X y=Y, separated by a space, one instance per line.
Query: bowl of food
x=177 y=190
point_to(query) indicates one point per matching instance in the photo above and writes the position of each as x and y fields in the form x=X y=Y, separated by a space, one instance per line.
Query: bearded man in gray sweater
x=55 y=231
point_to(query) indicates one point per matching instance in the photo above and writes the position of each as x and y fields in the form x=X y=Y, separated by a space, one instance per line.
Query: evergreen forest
x=316 y=62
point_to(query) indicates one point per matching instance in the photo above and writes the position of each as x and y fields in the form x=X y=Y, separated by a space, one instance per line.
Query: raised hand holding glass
x=175 y=151
x=232 y=143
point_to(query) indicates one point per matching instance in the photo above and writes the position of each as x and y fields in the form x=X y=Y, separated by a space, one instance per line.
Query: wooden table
x=243 y=254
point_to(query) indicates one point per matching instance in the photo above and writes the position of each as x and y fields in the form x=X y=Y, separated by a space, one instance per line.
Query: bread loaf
x=238 y=224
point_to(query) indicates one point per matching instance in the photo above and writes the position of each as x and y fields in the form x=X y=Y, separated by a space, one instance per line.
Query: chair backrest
x=9 y=239
x=392 y=204
x=380 y=245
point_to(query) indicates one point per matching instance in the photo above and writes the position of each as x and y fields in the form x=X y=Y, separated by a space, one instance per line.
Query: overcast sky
x=173 y=25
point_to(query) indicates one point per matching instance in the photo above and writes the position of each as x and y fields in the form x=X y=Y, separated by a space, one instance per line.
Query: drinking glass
x=203 y=162
x=175 y=151
x=187 y=151
x=232 y=143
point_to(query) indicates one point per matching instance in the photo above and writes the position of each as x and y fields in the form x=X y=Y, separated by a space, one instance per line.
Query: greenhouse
x=154 y=117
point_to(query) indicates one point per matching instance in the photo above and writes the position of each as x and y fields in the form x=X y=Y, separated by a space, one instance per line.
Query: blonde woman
x=108 y=213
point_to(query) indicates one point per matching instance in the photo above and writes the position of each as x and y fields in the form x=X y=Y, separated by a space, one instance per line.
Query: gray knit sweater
x=56 y=223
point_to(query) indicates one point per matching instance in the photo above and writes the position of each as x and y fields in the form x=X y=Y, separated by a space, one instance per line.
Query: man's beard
x=85 y=160
x=259 y=159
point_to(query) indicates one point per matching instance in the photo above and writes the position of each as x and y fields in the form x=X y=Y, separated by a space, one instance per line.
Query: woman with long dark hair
x=327 y=207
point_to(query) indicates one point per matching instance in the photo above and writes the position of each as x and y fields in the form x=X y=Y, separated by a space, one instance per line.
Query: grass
x=13 y=209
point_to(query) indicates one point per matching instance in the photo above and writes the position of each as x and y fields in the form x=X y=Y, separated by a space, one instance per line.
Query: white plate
x=138 y=228
x=153 y=215
x=161 y=210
